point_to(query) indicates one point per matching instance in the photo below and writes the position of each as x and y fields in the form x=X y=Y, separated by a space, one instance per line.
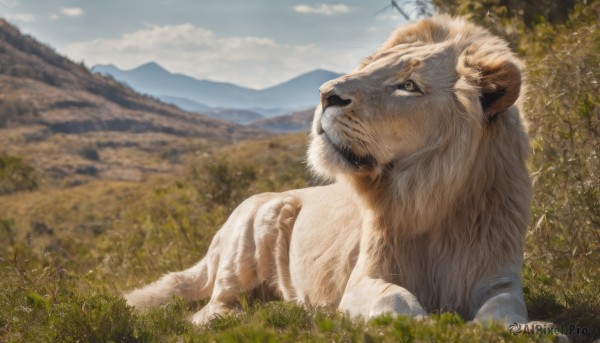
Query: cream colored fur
x=430 y=203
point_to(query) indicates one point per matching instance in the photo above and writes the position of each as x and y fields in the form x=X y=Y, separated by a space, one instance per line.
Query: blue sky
x=251 y=43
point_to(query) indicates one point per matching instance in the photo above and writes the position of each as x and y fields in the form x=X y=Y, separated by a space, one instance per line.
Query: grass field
x=68 y=253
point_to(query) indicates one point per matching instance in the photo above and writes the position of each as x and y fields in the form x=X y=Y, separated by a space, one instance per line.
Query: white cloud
x=72 y=11
x=53 y=16
x=251 y=61
x=22 y=17
x=323 y=9
x=9 y=3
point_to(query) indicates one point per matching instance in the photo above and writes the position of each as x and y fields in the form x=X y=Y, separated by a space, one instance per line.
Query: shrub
x=227 y=184
x=16 y=175
x=90 y=152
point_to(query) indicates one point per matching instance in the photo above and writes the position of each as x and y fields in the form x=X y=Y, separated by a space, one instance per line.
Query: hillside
x=52 y=110
x=243 y=117
x=150 y=78
x=295 y=122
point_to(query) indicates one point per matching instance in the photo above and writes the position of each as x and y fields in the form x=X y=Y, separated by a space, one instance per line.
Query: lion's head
x=432 y=88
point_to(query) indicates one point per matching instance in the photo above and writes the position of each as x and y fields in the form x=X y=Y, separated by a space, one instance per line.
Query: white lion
x=431 y=198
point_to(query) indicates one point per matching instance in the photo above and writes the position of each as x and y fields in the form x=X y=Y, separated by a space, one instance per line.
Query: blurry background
x=129 y=131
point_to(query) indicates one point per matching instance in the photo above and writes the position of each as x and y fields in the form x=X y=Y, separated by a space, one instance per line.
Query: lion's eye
x=408 y=86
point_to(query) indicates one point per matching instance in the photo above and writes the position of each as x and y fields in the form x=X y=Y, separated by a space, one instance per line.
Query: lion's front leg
x=369 y=297
x=509 y=308
x=501 y=297
x=506 y=307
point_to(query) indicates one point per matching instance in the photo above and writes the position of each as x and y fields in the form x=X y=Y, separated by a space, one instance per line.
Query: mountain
x=151 y=78
x=52 y=110
x=297 y=121
x=301 y=91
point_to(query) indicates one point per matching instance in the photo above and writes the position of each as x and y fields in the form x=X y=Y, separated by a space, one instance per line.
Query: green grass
x=45 y=305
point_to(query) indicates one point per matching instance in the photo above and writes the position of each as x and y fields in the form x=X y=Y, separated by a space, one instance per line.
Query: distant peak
x=319 y=71
x=316 y=75
x=108 y=69
x=150 y=67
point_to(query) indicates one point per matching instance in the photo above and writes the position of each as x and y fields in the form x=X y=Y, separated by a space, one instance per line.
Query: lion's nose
x=331 y=97
x=335 y=100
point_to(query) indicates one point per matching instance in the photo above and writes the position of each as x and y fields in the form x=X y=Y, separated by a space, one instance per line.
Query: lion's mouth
x=367 y=161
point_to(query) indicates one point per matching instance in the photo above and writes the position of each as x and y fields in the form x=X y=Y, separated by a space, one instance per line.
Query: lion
x=426 y=147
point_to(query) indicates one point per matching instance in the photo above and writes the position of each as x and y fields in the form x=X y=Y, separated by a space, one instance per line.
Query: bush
x=90 y=152
x=226 y=184
x=16 y=175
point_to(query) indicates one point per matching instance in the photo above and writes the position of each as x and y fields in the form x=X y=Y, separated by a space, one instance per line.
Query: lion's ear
x=500 y=84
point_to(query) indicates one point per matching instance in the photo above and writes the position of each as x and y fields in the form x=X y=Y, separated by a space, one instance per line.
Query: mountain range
x=204 y=96
x=66 y=97
x=66 y=119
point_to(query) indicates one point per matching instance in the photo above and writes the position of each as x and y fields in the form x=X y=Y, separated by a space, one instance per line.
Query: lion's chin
x=328 y=159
